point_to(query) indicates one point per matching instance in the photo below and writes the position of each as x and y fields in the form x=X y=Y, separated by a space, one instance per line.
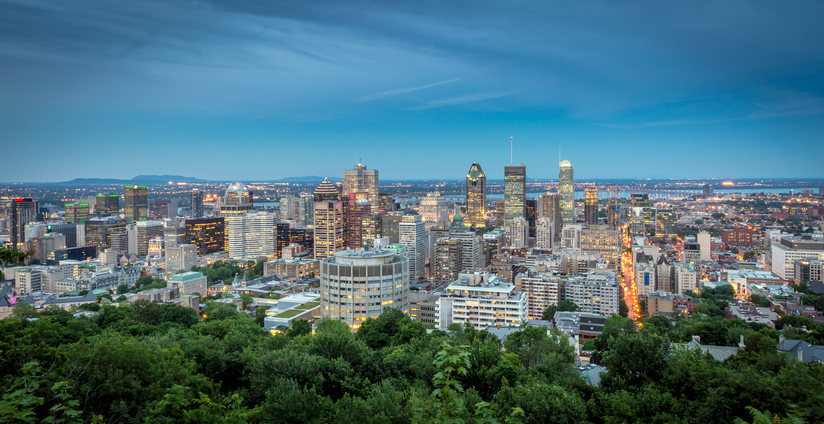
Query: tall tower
x=412 y=235
x=23 y=211
x=475 y=197
x=108 y=204
x=613 y=211
x=641 y=200
x=566 y=189
x=514 y=192
x=591 y=206
x=362 y=180
x=136 y=203
x=549 y=206
x=327 y=191
x=197 y=203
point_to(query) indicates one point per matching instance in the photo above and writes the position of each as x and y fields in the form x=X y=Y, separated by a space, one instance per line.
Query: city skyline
x=626 y=91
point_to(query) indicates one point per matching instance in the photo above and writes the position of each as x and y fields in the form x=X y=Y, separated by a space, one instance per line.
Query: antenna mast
x=510 y=149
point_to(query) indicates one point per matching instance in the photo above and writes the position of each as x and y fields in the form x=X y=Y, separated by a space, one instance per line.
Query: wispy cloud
x=667 y=123
x=790 y=104
x=398 y=91
x=466 y=98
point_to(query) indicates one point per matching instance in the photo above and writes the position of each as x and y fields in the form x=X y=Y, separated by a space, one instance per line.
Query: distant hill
x=308 y=179
x=140 y=179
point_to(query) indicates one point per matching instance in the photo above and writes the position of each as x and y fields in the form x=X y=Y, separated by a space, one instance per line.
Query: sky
x=262 y=90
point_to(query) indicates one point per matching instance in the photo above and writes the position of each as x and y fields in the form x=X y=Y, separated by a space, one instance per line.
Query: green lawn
x=290 y=313
x=308 y=305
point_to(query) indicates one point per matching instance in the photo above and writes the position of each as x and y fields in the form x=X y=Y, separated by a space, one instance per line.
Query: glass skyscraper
x=197 y=203
x=475 y=197
x=514 y=192
x=591 y=206
x=362 y=180
x=136 y=203
x=566 y=189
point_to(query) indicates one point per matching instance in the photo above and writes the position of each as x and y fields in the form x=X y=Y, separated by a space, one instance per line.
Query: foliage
x=564 y=305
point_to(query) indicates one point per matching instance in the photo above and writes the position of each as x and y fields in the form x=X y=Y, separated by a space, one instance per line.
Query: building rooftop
x=186 y=276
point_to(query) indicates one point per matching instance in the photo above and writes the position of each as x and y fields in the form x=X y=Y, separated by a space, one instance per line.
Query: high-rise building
x=77 y=213
x=306 y=210
x=208 y=234
x=604 y=241
x=23 y=211
x=282 y=237
x=549 y=206
x=692 y=254
x=705 y=243
x=250 y=236
x=566 y=191
x=99 y=231
x=665 y=222
x=645 y=274
x=686 y=277
x=591 y=206
x=613 y=213
x=707 y=190
x=289 y=208
x=500 y=213
x=330 y=228
x=514 y=192
x=356 y=285
x=531 y=215
x=145 y=231
x=362 y=180
x=792 y=248
x=107 y=204
x=180 y=257
x=544 y=233
x=636 y=221
x=358 y=208
x=483 y=300
x=412 y=235
x=163 y=208
x=470 y=249
x=327 y=192
x=594 y=292
x=390 y=227
x=447 y=260
x=434 y=209
x=518 y=230
x=197 y=203
x=236 y=201
x=372 y=227
x=475 y=197
x=136 y=203
x=571 y=236
x=68 y=230
x=641 y=200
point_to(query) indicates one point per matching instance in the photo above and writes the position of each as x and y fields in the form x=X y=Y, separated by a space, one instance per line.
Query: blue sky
x=253 y=90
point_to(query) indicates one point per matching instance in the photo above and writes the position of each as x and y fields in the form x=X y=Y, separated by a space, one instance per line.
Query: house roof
x=719 y=353
x=801 y=349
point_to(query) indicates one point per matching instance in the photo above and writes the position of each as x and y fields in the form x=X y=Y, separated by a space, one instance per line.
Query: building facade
x=136 y=203
x=514 y=192
x=208 y=234
x=566 y=191
x=475 y=197
x=362 y=180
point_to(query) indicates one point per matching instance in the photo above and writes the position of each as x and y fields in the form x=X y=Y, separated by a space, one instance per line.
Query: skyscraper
x=208 y=234
x=197 y=203
x=23 y=211
x=614 y=213
x=306 y=210
x=358 y=208
x=591 y=206
x=250 y=236
x=412 y=235
x=362 y=180
x=136 y=203
x=475 y=197
x=434 y=209
x=327 y=192
x=76 y=213
x=107 y=204
x=545 y=233
x=514 y=192
x=549 y=206
x=330 y=229
x=641 y=200
x=236 y=201
x=566 y=190
x=531 y=215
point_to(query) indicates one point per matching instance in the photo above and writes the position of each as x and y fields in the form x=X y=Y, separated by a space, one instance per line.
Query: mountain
x=140 y=179
x=308 y=179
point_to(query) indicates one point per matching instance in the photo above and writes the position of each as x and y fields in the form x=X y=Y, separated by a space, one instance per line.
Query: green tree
x=759 y=417
x=564 y=305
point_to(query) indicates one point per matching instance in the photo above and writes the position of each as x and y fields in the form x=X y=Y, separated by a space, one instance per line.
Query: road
x=628 y=286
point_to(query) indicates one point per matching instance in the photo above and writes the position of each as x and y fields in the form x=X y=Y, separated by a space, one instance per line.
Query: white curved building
x=359 y=284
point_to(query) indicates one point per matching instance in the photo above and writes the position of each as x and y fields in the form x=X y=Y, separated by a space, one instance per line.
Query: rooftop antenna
x=559 y=155
x=510 y=150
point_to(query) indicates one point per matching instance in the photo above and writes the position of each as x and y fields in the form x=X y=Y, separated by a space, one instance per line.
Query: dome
x=362 y=202
x=238 y=188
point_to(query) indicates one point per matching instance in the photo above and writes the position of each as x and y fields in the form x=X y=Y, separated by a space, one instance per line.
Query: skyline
x=223 y=91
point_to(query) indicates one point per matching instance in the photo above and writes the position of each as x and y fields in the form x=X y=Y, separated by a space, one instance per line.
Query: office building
x=483 y=300
x=82 y=253
x=190 y=283
x=306 y=210
x=566 y=190
x=500 y=213
x=292 y=267
x=707 y=190
x=645 y=274
x=545 y=233
x=197 y=203
x=358 y=208
x=613 y=214
x=571 y=236
x=76 y=213
x=514 y=192
x=475 y=197
x=435 y=211
x=250 y=236
x=412 y=235
x=99 y=231
x=692 y=254
x=636 y=221
x=163 y=208
x=208 y=234
x=808 y=269
x=641 y=200
x=236 y=201
x=792 y=248
x=180 y=257
x=531 y=215
x=518 y=230
x=447 y=260
x=282 y=237
x=594 y=292
x=604 y=241
x=665 y=222
x=136 y=203
x=591 y=206
x=362 y=180
x=68 y=230
x=107 y=204
x=289 y=208
x=145 y=231
x=372 y=227
x=330 y=228
x=356 y=285
x=327 y=192
x=23 y=211
x=390 y=225
x=686 y=277
x=542 y=291
x=549 y=206
x=739 y=236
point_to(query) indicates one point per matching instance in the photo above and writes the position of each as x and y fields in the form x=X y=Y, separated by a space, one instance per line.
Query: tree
x=759 y=300
x=247 y=300
x=300 y=327
x=759 y=417
x=565 y=305
x=122 y=289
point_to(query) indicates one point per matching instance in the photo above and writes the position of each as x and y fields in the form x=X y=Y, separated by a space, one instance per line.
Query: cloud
x=466 y=98
x=788 y=103
x=398 y=91
x=666 y=123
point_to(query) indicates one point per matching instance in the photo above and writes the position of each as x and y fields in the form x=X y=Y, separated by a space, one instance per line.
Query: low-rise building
x=585 y=325
x=292 y=267
x=483 y=300
x=190 y=282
